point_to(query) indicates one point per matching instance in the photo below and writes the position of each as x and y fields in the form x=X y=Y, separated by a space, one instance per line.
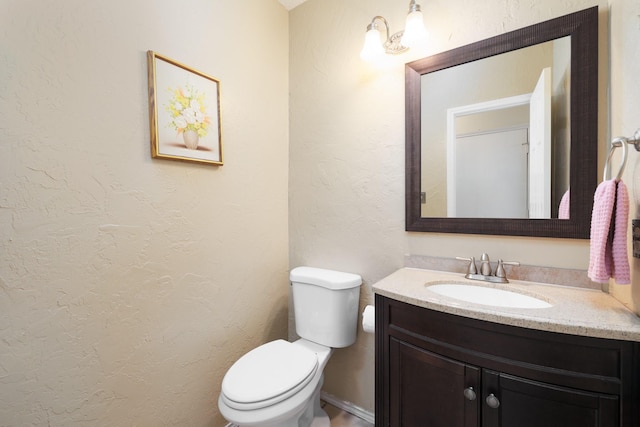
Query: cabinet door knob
x=492 y=401
x=469 y=393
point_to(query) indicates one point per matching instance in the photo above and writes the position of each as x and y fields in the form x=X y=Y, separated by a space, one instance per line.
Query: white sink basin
x=487 y=296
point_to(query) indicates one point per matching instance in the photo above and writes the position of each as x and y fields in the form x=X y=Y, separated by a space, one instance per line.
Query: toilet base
x=321 y=421
x=314 y=415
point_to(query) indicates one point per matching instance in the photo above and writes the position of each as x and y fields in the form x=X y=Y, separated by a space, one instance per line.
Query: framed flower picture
x=184 y=112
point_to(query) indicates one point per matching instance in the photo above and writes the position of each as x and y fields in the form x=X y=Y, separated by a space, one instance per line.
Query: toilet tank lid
x=326 y=278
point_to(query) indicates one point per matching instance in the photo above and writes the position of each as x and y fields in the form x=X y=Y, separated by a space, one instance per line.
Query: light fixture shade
x=372 y=48
x=414 y=30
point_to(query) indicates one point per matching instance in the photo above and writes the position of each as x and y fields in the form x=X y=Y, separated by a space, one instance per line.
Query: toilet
x=278 y=383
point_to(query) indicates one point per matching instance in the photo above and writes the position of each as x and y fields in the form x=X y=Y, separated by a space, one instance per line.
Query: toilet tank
x=325 y=303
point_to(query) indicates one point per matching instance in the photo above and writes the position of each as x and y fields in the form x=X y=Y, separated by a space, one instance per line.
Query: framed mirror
x=501 y=134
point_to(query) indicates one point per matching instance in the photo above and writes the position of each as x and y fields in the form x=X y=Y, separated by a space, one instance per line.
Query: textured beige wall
x=346 y=183
x=625 y=118
x=129 y=285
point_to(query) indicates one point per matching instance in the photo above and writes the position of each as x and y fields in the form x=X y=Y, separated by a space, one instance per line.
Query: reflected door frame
x=465 y=110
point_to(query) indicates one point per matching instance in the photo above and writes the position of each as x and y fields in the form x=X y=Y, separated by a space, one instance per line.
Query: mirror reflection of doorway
x=500 y=157
x=503 y=148
x=475 y=161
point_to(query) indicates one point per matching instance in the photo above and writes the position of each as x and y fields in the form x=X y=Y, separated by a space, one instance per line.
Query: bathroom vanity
x=443 y=362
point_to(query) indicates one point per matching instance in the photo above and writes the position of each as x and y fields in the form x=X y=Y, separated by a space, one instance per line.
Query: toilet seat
x=268 y=374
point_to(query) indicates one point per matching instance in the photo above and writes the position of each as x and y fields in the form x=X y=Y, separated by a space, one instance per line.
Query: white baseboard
x=348 y=407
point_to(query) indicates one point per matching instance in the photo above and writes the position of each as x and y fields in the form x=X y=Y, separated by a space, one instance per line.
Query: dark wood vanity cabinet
x=440 y=370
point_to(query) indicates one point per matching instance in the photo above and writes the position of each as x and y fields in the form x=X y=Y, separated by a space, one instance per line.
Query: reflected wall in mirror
x=499 y=131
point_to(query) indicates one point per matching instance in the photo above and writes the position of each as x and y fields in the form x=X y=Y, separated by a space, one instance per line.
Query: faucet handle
x=472 y=264
x=510 y=262
x=500 y=269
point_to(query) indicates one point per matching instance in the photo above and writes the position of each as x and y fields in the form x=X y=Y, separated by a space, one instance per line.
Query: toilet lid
x=269 y=371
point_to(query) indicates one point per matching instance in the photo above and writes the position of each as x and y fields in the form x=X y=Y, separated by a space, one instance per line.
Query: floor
x=340 y=418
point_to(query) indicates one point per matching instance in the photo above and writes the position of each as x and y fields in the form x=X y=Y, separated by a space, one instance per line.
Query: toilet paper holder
x=369 y=319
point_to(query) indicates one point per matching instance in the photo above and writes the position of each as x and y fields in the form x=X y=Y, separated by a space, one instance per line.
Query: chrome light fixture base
x=393 y=46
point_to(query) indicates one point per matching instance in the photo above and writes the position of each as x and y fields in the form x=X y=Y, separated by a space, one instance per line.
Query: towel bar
x=620 y=141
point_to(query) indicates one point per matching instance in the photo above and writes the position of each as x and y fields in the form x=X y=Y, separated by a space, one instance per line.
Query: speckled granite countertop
x=574 y=311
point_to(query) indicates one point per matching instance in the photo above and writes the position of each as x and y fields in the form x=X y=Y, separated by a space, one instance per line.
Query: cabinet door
x=428 y=390
x=525 y=403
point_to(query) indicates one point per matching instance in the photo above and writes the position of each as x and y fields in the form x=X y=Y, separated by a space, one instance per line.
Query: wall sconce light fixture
x=414 y=32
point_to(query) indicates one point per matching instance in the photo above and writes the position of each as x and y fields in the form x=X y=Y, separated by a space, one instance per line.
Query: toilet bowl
x=278 y=383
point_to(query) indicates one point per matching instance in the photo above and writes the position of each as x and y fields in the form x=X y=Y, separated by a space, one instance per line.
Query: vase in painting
x=190 y=139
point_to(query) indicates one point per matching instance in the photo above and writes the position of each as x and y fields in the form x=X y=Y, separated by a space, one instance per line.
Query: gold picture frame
x=184 y=112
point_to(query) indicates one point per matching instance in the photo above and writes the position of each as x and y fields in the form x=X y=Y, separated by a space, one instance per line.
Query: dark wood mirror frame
x=583 y=28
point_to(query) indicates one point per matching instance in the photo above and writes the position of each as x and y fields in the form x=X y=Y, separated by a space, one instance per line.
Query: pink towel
x=620 y=270
x=608 y=251
x=565 y=205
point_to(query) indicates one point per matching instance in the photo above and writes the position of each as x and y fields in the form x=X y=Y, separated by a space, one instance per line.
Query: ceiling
x=290 y=4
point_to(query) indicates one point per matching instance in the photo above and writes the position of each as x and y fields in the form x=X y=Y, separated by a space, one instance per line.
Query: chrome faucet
x=499 y=276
